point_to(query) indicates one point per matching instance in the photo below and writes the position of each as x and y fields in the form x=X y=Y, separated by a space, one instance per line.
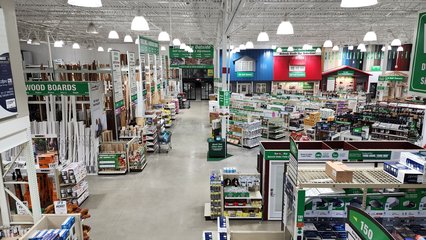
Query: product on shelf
x=339 y=172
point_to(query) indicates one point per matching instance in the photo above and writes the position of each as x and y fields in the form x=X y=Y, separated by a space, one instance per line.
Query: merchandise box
x=402 y=172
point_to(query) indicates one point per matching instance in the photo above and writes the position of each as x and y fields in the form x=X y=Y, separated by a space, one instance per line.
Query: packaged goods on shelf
x=403 y=173
x=416 y=161
x=326 y=113
x=73 y=173
x=131 y=131
x=339 y=172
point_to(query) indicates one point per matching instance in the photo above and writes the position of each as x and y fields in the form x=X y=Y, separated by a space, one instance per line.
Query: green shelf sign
x=277 y=155
x=418 y=75
x=44 y=88
x=362 y=226
x=245 y=74
x=297 y=74
x=346 y=73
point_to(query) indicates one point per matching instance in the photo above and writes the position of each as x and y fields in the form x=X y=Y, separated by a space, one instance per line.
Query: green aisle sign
x=376 y=68
x=293 y=74
x=149 y=46
x=364 y=226
x=418 y=74
x=245 y=74
x=44 y=88
x=224 y=98
x=346 y=72
x=392 y=78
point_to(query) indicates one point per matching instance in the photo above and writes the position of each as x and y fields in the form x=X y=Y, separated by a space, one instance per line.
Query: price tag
x=60 y=207
x=20 y=210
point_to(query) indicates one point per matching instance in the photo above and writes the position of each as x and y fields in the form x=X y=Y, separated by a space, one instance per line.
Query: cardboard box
x=339 y=172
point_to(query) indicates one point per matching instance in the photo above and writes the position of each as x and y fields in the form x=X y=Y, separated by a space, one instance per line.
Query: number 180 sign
x=361 y=226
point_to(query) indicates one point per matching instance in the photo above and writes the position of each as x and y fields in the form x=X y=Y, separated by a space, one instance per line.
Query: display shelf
x=247 y=206
x=253 y=195
x=112 y=172
x=54 y=221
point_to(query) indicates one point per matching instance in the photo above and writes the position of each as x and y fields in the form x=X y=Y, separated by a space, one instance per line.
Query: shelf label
x=360 y=225
x=60 y=207
x=418 y=74
x=45 y=88
x=20 y=210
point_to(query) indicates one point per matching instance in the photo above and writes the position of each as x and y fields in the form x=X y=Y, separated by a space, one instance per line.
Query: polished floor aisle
x=166 y=201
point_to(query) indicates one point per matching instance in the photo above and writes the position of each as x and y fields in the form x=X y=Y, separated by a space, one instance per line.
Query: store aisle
x=166 y=200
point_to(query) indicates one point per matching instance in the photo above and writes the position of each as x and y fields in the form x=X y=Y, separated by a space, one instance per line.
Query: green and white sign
x=392 y=78
x=148 y=46
x=307 y=86
x=224 y=98
x=360 y=225
x=44 y=88
x=278 y=155
x=293 y=74
x=355 y=155
x=202 y=57
x=346 y=73
x=293 y=148
x=132 y=76
x=116 y=78
x=418 y=73
x=245 y=74
x=376 y=68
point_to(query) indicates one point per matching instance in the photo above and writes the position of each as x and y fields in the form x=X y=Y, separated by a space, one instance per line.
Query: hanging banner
x=7 y=92
x=132 y=77
x=116 y=79
x=224 y=98
x=68 y=88
x=149 y=46
x=418 y=73
x=202 y=57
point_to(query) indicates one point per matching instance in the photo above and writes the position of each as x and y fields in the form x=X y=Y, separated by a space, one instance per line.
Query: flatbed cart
x=165 y=141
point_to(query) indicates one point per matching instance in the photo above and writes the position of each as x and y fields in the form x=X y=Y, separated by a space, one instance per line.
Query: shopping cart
x=165 y=141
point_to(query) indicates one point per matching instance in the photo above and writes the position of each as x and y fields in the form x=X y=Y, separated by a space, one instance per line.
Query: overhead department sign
x=44 y=88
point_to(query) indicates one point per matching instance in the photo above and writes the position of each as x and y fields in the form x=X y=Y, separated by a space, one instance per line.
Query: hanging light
x=100 y=49
x=274 y=47
x=163 y=37
x=307 y=47
x=289 y=49
x=400 y=49
x=389 y=48
x=370 y=36
x=328 y=44
x=357 y=3
x=187 y=48
x=383 y=48
x=76 y=46
x=335 y=48
x=285 y=28
x=364 y=50
x=176 y=42
x=249 y=45
x=279 y=50
x=242 y=47
x=182 y=46
x=318 y=50
x=58 y=44
x=137 y=41
x=163 y=48
x=351 y=47
x=231 y=47
x=361 y=46
x=109 y=49
x=139 y=23
x=237 y=49
x=396 y=42
x=191 y=50
x=113 y=35
x=29 y=41
x=85 y=3
x=91 y=28
x=35 y=41
x=128 y=38
x=263 y=37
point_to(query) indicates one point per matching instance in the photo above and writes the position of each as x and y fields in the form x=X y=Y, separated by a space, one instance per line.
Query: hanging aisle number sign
x=117 y=83
x=132 y=76
x=418 y=73
x=361 y=226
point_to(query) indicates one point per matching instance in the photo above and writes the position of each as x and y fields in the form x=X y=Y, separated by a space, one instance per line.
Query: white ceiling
x=201 y=21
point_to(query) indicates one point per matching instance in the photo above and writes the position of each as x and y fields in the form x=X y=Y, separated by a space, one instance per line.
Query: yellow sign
x=210 y=72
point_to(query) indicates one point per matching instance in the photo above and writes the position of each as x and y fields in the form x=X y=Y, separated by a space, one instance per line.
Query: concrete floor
x=166 y=200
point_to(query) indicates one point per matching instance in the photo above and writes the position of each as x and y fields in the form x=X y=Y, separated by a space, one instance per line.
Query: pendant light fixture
x=357 y=3
x=85 y=3
x=249 y=45
x=231 y=47
x=139 y=23
x=191 y=50
x=35 y=41
x=383 y=48
x=242 y=47
x=76 y=46
x=163 y=37
x=364 y=49
x=182 y=46
x=396 y=42
x=361 y=46
x=29 y=41
x=351 y=47
x=279 y=50
x=100 y=49
x=307 y=47
x=263 y=37
x=318 y=50
x=400 y=49
x=58 y=44
x=328 y=44
x=274 y=47
x=137 y=41
x=285 y=27
x=91 y=28
x=176 y=42
x=128 y=38
x=289 y=49
x=389 y=48
x=370 y=36
x=163 y=48
x=113 y=35
x=109 y=49
x=335 y=48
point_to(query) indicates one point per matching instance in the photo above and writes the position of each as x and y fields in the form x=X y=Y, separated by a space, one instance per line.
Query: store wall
x=312 y=65
x=40 y=54
x=264 y=64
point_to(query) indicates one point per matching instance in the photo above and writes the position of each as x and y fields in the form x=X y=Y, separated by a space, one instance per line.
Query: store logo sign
x=318 y=155
x=335 y=155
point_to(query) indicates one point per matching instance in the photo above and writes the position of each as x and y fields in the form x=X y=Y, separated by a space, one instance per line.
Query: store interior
x=213 y=120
